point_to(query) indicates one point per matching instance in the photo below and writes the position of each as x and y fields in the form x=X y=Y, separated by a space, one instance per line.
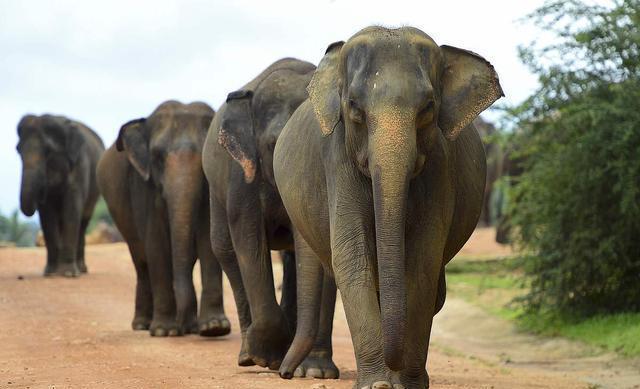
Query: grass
x=495 y=285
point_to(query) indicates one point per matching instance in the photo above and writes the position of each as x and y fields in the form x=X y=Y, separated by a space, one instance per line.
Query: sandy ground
x=59 y=333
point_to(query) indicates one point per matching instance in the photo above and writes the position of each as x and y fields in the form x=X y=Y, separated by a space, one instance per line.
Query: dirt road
x=59 y=333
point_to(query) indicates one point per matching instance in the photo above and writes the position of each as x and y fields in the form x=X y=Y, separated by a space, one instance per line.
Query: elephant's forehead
x=385 y=38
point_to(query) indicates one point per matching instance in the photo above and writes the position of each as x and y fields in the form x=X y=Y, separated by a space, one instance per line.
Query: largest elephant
x=59 y=158
x=248 y=218
x=382 y=174
x=152 y=181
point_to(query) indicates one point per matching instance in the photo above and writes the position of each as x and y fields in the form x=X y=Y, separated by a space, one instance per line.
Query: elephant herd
x=365 y=172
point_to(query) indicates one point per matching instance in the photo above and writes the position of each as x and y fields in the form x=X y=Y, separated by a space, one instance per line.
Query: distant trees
x=576 y=206
x=13 y=230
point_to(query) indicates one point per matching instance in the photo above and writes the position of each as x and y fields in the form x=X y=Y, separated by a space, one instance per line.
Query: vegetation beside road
x=498 y=286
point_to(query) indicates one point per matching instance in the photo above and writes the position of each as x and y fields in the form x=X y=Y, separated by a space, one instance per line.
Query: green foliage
x=13 y=230
x=100 y=214
x=577 y=205
x=619 y=333
x=495 y=284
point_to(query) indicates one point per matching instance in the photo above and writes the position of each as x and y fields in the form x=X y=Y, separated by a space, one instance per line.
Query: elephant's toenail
x=299 y=372
x=381 y=385
x=314 y=373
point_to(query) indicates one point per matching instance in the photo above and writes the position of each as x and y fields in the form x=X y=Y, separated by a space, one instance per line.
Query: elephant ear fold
x=133 y=139
x=236 y=133
x=323 y=89
x=469 y=86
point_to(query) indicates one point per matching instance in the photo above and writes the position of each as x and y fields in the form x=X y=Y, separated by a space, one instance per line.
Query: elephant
x=248 y=218
x=59 y=158
x=495 y=167
x=514 y=164
x=152 y=181
x=382 y=175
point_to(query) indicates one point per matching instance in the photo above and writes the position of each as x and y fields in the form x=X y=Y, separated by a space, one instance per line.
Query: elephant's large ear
x=469 y=86
x=133 y=139
x=236 y=133
x=323 y=89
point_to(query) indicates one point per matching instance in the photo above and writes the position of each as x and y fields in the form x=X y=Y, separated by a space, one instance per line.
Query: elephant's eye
x=355 y=113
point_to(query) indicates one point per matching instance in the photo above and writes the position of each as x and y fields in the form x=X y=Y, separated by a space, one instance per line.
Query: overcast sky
x=107 y=62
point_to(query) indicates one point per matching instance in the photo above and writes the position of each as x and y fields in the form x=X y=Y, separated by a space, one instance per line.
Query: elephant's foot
x=214 y=325
x=420 y=380
x=381 y=379
x=68 y=269
x=164 y=327
x=244 y=359
x=140 y=323
x=189 y=326
x=82 y=266
x=383 y=385
x=50 y=270
x=318 y=364
x=267 y=342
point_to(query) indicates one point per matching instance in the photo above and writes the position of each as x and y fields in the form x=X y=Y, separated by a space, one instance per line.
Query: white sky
x=107 y=62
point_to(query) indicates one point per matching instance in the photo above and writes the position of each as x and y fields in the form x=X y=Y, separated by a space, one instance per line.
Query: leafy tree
x=576 y=207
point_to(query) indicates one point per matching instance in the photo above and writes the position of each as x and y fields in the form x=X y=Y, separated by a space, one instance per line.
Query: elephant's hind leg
x=309 y=277
x=319 y=363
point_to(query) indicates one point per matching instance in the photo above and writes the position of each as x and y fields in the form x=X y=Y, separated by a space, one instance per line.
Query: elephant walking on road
x=248 y=218
x=382 y=174
x=154 y=186
x=59 y=158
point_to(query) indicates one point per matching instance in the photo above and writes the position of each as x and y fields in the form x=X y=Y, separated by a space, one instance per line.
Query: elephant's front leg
x=268 y=336
x=223 y=252
x=212 y=321
x=82 y=265
x=423 y=286
x=50 y=222
x=70 y=230
x=185 y=293
x=158 y=255
x=355 y=276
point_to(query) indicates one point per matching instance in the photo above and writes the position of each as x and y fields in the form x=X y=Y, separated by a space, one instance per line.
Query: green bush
x=577 y=205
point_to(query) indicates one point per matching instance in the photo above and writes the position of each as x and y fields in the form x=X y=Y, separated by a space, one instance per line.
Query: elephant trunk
x=392 y=156
x=183 y=192
x=32 y=189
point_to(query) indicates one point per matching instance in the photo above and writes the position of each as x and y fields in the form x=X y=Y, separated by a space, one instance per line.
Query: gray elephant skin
x=154 y=187
x=59 y=158
x=382 y=175
x=248 y=218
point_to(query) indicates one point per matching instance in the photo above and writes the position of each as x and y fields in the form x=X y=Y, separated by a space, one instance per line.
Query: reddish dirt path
x=75 y=333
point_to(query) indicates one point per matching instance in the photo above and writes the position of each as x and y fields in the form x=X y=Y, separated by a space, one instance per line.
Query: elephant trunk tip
x=28 y=210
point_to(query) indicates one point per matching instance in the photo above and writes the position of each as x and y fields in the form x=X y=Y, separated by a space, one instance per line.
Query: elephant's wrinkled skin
x=382 y=175
x=154 y=186
x=59 y=158
x=248 y=218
